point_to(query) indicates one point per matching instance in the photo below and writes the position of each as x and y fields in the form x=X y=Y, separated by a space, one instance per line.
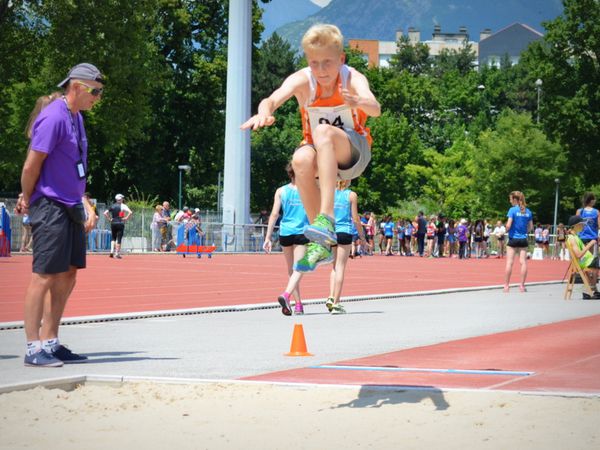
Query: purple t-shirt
x=53 y=134
x=461 y=231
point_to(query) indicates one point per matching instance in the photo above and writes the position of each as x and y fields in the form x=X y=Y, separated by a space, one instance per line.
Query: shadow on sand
x=375 y=396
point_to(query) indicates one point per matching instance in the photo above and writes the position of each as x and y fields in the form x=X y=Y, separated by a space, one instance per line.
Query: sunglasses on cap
x=91 y=90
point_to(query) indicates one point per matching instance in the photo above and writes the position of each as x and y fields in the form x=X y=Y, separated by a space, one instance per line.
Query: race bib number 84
x=338 y=116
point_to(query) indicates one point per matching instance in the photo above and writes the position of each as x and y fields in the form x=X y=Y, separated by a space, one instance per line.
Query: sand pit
x=262 y=416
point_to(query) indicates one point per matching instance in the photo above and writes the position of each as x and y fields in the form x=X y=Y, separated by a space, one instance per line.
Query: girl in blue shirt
x=345 y=209
x=519 y=224
x=592 y=221
x=388 y=232
x=291 y=238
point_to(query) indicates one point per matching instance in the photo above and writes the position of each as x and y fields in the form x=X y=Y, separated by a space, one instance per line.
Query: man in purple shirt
x=53 y=182
x=462 y=232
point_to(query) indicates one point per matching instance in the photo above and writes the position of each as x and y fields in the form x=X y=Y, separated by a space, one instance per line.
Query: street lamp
x=481 y=88
x=538 y=86
x=557 y=181
x=181 y=168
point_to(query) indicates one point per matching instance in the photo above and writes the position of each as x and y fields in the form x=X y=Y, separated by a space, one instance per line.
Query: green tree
x=517 y=156
x=21 y=49
x=566 y=60
x=448 y=179
x=462 y=60
x=395 y=144
x=412 y=58
x=273 y=62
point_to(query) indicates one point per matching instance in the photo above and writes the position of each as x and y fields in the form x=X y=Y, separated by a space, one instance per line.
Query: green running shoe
x=315 y=255
x=338 y=309
x=321 y=231
x=329 y=303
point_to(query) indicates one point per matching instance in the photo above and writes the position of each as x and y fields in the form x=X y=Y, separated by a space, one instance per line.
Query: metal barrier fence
x=140 y=237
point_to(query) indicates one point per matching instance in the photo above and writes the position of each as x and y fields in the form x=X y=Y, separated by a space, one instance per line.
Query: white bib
x=338 y=116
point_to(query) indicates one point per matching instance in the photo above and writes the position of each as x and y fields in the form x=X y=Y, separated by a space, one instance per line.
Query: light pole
x=538 y=86
x=481 y=89
x=181 y=168
x=557 y=181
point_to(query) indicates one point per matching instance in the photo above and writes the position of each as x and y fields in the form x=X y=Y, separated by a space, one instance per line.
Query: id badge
x=80 y=169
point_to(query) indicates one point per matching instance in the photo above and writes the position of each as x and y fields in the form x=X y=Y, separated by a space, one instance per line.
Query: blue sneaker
x=67 y=356
x=42 y=359
x=315 y=255
x=321 y=231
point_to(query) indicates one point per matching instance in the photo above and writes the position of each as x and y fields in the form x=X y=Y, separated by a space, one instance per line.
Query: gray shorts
x=361 y=156
x=58 y=242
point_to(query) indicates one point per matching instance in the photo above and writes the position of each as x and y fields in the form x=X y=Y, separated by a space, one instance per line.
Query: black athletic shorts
x=116 y=230
x=518 y=243
x=293 y=239
x=58 y=242
x=344 y=238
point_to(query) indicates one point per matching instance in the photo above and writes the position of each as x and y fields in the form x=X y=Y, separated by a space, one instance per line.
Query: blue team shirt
x=388 y=229
x=590 y=231
x=342 y=211
x=520 y=222
x=294 y=218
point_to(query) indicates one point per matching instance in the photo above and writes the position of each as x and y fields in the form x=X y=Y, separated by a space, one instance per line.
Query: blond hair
x=343 y=184
x=520 y=198
x=40 y=104
x=321 y=36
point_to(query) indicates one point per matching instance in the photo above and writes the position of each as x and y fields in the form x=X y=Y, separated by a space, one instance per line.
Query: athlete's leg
x=510 y=257
x=523 y=260
x=304 y=163
x=333 y=150
x=298 y=253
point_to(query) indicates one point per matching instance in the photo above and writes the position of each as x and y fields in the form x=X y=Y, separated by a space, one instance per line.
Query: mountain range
x=380 y=19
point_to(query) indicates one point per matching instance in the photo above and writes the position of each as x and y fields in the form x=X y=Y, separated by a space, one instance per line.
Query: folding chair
x=575 y=269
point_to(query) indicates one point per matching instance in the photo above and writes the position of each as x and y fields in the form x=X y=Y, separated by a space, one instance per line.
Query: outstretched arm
x=264 y=117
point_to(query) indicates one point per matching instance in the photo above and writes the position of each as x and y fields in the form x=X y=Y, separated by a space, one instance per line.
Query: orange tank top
x=324 y=110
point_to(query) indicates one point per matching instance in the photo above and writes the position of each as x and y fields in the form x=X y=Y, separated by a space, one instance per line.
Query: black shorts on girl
x=344 y=238
x=293 y=239
x=518 y=243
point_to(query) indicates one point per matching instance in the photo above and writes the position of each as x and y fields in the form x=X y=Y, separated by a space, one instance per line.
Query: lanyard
x=75 y=130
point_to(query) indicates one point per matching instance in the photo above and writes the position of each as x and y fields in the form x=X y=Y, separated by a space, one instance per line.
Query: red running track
x=163 y=282
x=564 y=356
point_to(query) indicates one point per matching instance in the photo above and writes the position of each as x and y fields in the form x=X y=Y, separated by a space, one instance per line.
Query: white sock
x=50 y=345
x=33 y=347
x=112 y=246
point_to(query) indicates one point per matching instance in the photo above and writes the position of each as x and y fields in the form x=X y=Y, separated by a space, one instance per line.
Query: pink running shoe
x=298 y=309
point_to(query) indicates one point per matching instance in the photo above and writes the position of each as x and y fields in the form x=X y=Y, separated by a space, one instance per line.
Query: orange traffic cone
x=298 y=347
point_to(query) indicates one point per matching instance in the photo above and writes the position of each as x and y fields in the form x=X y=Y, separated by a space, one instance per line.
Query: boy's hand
x=258 y=121
x=350 y=99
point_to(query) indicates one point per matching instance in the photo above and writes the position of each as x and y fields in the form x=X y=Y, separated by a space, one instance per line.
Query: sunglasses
x=92 y=90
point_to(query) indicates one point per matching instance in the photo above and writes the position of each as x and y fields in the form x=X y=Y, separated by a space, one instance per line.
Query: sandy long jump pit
x=250 y=415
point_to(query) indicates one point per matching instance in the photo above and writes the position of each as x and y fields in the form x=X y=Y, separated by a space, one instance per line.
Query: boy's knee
x=304 y=158
x=323 y=132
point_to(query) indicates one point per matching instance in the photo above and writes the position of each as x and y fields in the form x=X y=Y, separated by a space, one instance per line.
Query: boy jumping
x=334 y=101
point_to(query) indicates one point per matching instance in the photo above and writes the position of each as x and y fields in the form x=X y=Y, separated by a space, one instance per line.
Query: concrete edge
x=258 y=306
x=72 y=382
